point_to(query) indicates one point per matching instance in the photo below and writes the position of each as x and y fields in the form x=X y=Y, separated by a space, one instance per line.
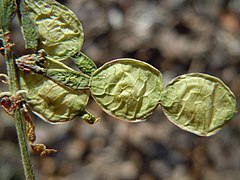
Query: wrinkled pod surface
x=127 y=89
x=53 y=102
x=198 y=103
x=51 y=26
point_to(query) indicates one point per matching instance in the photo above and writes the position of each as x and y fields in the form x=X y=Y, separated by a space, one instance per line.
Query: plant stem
x=19 y=120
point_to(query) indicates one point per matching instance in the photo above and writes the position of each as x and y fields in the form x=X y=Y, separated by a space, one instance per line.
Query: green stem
x=20 y=128
x=19 y=120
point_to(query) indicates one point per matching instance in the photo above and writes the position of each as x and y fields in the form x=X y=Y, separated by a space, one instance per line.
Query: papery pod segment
x=51 y=101
x=60 y=32
x=127 y=89
x=198 y=103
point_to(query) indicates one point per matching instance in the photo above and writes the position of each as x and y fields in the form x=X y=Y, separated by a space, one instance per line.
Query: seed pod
x=126 y=88
x=53 y=102
x=60 y=32
x=198 y=103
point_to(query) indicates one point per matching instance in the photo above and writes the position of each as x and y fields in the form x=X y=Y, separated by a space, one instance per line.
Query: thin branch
x=18 y=118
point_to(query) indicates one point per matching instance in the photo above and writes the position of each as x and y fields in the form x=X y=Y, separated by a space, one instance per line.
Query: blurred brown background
x=176 y=37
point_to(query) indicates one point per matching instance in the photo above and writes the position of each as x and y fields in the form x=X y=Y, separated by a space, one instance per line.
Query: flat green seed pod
x=60 y=32
x=52 y=102
x=198 y=103
x=126 y=88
